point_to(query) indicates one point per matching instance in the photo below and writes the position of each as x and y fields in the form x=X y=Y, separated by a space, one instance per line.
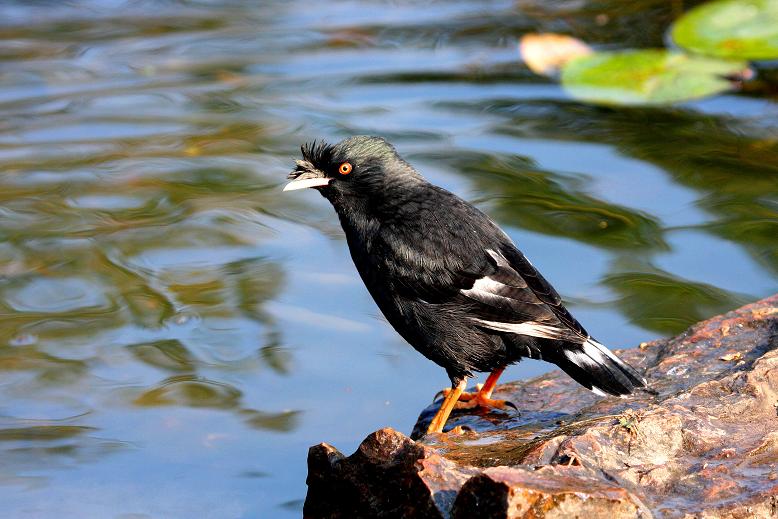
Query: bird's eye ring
x=345 y=168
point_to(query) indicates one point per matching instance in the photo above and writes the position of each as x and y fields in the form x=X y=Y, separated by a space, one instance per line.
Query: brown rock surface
x=702 y=443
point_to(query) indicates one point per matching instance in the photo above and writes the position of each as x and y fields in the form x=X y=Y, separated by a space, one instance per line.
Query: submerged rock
x=702 y=442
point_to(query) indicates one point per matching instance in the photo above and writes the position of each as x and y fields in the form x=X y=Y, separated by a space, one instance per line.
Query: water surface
x=176 y=332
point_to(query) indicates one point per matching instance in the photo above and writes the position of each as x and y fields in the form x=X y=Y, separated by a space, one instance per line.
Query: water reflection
x=556 y=204
x=176 y=333
x=167 y=354
x=665 y=303
x=731 y=161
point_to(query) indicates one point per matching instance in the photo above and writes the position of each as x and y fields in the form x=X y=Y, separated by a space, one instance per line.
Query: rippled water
x=176 y=332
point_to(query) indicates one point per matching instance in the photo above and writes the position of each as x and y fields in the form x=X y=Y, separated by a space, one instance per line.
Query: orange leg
x=483 y=397
x=441 y=417
x=491 y=381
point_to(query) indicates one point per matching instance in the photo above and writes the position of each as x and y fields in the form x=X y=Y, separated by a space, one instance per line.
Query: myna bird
x=447 y=278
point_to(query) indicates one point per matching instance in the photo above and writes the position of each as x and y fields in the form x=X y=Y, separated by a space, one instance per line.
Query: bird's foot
x=479 y=399
x=452 y=434
x=455 y=431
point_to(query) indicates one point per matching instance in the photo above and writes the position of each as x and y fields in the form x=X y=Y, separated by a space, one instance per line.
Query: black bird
x=447 y=278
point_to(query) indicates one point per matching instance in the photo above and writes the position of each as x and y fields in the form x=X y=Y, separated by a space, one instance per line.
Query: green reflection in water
x=556 y=205
x=191 y=391
x=664 y=303
x=732 y=162
x=43 y=432
x=168 y=354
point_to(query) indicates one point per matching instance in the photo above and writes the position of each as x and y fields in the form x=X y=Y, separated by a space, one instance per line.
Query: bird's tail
x=595 y=367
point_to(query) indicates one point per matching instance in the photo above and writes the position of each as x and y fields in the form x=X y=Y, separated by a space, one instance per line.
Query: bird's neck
x=356 y=218
x=361 y=215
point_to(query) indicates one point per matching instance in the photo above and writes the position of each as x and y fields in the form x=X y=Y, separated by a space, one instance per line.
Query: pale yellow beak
x=304 y=181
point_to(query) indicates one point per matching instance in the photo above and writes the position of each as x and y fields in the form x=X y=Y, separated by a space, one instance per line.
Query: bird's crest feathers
x=317 y=153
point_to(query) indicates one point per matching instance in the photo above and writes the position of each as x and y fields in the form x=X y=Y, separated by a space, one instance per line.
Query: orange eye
x=345 y=168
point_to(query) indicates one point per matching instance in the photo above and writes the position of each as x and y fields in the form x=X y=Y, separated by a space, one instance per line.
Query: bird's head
x=360 y=167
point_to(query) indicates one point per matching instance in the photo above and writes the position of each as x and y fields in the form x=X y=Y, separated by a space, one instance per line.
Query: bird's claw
x=458 y=430
x=464 y=397
x=481 y=401
x=476 y=399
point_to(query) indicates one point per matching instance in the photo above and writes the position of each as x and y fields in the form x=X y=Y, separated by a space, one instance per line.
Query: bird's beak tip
x=303 y=183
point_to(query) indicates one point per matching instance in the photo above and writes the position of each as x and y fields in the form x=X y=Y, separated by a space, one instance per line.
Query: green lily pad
x=743 y=29
x=644 y=77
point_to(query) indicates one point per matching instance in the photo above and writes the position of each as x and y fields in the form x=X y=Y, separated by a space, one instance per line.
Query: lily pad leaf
x=646 y=77
x=742 y=29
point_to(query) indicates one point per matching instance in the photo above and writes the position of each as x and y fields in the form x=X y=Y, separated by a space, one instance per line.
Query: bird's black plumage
x=445 y=276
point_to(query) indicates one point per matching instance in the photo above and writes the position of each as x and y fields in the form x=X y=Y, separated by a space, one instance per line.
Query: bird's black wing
x=518 y=299
x=446 y=251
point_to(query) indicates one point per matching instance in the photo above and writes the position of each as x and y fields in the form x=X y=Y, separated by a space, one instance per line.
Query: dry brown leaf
x=546 y=53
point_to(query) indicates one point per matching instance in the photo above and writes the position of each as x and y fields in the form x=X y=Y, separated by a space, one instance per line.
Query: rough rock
x=702 y=443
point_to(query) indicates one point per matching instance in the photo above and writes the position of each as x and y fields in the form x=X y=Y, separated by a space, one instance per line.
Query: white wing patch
x=526 y=328
x=489 y=289
x=499 y=258
x=485 y=284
